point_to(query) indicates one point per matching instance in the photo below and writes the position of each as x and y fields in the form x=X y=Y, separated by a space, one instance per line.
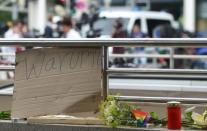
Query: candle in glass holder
x=174 y=115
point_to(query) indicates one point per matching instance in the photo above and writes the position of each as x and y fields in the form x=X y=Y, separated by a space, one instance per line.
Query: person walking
x=68 y=30
x=48 y=33
x=118 y=32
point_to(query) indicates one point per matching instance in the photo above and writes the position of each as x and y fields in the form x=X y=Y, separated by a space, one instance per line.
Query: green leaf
x=154 y=115
x=205 y=114
x=188 y=116
x=5 y=115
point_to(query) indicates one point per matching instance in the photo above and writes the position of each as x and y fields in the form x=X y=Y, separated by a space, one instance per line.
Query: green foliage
x=188 y=120
x=188 y=117
x=188 y=114
x=5 y=115
x=156 y=120
x=22 y=16
x=154 y=115
x=5 y=16
x=116 y=113
x=205 y=114
x=110 y=112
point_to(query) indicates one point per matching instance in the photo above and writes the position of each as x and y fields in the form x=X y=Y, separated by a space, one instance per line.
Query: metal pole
x=148 y=4
x=172 y=58
x=15 y=10
x=67 y=7
x=104 y=72
x=189 y=15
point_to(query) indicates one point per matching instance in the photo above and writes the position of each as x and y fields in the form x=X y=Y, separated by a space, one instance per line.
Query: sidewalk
x=8 y=126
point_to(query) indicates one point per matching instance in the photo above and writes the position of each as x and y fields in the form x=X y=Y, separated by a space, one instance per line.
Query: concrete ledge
x=8 y=126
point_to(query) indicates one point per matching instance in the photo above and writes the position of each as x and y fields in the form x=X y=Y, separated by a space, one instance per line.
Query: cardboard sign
x=50 y=81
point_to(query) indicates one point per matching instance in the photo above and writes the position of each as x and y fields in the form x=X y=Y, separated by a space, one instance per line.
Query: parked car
x=147 y=20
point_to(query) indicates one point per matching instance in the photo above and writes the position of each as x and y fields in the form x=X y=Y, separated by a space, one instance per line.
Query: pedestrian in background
x=68 y=30
x=48 y=33
x=26 y=33
x=15 y=31
x=136 y=33
x=118 y=32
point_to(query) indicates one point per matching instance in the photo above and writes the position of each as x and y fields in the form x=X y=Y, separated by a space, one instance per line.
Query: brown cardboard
x=50 y=81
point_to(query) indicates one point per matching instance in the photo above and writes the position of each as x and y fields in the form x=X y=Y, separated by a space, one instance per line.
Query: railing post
x=171 y=60
x=104 y=72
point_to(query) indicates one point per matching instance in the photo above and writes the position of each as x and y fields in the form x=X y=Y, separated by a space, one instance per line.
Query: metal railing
x=162 y=99
x=170 y=56
x=105 y=43
x=157 y=56
x=7 y=68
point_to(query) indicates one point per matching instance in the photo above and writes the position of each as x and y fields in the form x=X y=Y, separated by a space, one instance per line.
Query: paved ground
x=8 y=126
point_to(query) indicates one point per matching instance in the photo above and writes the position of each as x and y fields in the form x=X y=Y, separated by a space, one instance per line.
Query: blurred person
x=200 y=64
x=5 y=27
x=68 y=30
x=15 y=31
x=59 y=30
x=136 y=32
x=156 y=32
x=118 y=32
x=84 y=25
x=165 y=31
x=26 y=33
x=48 y=33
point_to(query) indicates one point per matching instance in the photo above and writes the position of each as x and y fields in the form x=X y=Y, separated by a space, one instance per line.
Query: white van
x=147 y=20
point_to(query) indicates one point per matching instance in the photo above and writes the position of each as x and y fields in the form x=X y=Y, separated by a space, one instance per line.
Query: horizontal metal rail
x=138 y=42
x=162 y=99
x=158 y=76
x=7 y=68
x=157 y=56
x=181 y=74
x=7 y=54
x=140 y=56
x=157 y=71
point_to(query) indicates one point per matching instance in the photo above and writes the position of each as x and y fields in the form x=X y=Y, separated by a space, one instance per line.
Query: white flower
x=190 y=109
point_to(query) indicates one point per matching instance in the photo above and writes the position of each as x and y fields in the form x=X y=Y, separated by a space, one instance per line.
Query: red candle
x=174 y=115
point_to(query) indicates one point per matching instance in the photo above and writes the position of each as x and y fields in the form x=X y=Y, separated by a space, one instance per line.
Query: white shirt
x=11 y=35
x=73 y=34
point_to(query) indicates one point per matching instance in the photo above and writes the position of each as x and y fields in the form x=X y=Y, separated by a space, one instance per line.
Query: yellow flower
x=199 y=119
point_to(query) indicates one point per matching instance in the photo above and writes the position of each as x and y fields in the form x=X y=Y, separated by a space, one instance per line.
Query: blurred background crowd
x=103 y=18
x=109 y=19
